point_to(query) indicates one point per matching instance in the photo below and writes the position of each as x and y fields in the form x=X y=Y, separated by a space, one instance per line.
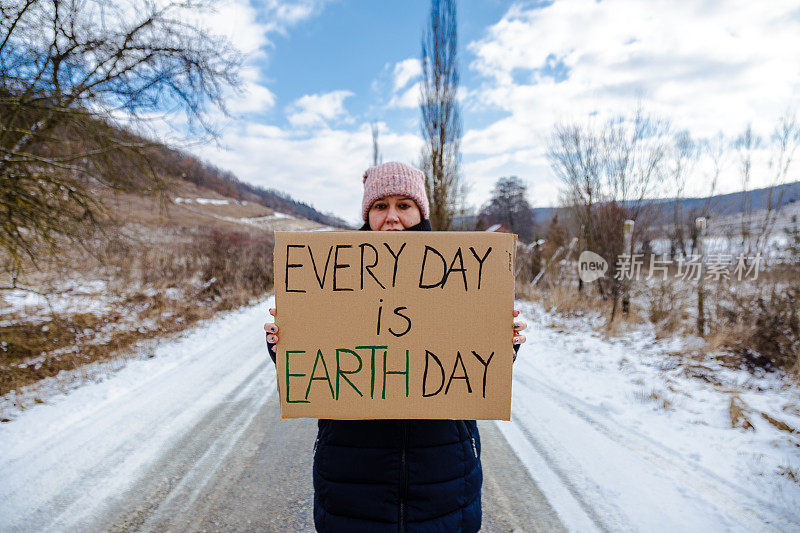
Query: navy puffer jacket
x=397 y=475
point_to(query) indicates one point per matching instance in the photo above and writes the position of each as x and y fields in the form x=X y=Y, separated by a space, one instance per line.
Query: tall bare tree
x=683 y=158
x=441 y=121
x=72 y=72
x=376 y=151
x=784 y=142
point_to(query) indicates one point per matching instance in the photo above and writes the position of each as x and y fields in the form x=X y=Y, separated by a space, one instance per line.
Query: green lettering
x=326 y=378
x=372 y=366
x=342 y=373
x=289 y=375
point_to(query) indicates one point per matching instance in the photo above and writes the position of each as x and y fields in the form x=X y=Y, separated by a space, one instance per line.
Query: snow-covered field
x=620 y=435
x=617 y=433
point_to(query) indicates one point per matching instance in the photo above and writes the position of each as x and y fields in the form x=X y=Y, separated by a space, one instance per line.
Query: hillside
x=721 y=208
x=151 y=270
x=206 y=176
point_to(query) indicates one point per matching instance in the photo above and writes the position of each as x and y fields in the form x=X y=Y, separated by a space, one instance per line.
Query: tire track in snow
x=98 y=440
x=705 y=483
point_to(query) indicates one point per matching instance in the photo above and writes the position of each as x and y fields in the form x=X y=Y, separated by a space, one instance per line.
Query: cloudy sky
x=318 y=72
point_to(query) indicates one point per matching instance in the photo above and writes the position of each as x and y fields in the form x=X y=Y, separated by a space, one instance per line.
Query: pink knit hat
x=394 y=178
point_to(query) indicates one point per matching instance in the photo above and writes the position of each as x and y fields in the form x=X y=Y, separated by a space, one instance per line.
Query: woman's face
x=394 y=213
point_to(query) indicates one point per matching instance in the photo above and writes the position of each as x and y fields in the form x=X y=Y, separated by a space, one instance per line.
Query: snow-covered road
x=190 y=439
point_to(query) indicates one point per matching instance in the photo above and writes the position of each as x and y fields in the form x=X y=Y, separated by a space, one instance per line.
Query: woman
x=396 y=475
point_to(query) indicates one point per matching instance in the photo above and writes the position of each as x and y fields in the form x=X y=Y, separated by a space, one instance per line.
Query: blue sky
x=320 y=71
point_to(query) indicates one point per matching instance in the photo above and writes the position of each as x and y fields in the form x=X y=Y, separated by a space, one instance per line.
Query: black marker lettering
x=369 y=268
x=292 y=265
x=396 y=259
x=425 y=374
x=452 y=269
x=480 y=262
x=453 y=374
x=314 y=265
x=408 y=326
x=422 y=269
x=337 y=266
x=485 y=368
x=380 y=308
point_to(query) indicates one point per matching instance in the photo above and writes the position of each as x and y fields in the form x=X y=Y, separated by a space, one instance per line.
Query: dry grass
x=752 y=324
x=659 y=398
x=737 y=412
x=779 y=424
x=790 y=472
x=161 y=275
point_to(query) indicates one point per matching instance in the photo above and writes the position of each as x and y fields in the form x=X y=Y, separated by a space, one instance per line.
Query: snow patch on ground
x=638 y=439
x=619 y=434
x=202 y=201
x=66 y=456
x=76 y=296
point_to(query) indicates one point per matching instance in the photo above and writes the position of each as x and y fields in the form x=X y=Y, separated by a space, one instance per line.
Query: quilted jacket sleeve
x=271 y=349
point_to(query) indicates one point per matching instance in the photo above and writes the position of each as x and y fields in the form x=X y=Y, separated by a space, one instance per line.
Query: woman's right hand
x=272 y=337
x=272 y=329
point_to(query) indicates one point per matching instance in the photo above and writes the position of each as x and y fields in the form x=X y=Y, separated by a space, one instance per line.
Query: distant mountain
x=734 y=203
x=720 y=205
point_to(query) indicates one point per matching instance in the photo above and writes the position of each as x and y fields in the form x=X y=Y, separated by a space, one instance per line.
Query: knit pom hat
x=394 y=178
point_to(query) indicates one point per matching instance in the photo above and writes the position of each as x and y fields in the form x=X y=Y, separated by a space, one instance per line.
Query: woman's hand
x=271 y=329
x=517 y=337
x=272 y=335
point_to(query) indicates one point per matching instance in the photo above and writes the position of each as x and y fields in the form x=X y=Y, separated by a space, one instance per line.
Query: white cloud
x=707 y=66
x=323 y=167
x=405 y=84
x=318 y=109
x=407 y=99
x=249 y=27
x=405 y=71
x=254 y=98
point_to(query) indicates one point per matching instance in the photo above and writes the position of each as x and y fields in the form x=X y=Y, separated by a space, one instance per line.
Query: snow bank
x=622 y=435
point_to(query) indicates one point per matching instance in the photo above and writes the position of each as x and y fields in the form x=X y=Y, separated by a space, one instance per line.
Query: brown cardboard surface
x=356 y=309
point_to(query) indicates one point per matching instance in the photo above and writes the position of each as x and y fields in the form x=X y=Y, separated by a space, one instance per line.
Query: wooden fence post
x=700 y=226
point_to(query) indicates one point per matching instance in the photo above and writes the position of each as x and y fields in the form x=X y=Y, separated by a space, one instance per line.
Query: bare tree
x=746 y=144
x=71 y=74
x=509 y=205
x=784 y=143
x=683 y=158
x=441 y=121
x=779 y=149
x=376 y=152
x=608 y=173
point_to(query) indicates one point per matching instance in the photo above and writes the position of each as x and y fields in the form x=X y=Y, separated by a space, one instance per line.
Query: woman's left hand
x=517 y=337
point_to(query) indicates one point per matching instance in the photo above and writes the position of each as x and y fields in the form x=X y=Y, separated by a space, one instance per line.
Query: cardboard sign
x=375 y=325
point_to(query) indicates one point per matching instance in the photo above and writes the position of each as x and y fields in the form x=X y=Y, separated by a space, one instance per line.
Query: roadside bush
x=772 y=324
x=235 y=266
